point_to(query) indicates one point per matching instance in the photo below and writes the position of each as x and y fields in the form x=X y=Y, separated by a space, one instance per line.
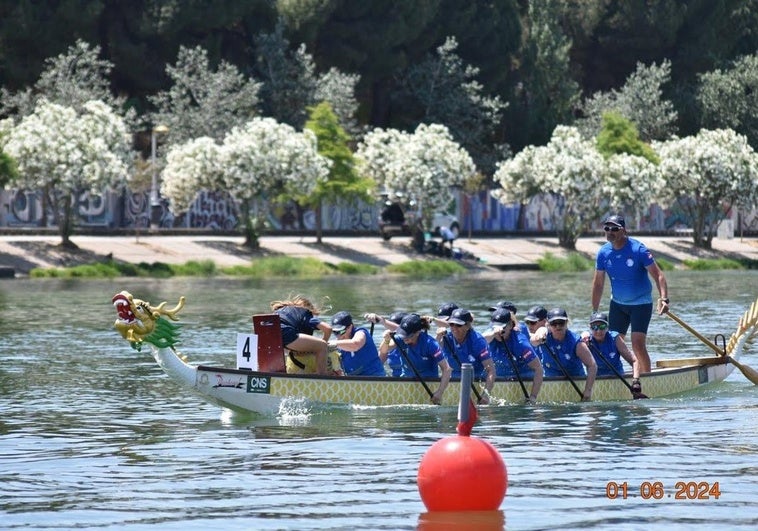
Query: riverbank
x=21 y=253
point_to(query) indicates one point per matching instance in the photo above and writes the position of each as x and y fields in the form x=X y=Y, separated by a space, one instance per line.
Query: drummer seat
x=270 y=347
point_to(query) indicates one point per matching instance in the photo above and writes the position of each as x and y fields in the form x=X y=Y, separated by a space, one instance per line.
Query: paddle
x=515 y=368
x=596 y=351
x=750 y=373
x=563 y=370
x=448 y=346
x=404 y=351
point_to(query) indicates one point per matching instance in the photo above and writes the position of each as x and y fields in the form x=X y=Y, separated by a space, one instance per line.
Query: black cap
x=535 y=313
x=599 y=317
x=340 y=321
x=615 y=220
x=460 y=316
x=501 y=316
x=508 y=305
x=446 y=309
x=409 y=325
x=557 y=314
x=396 y=317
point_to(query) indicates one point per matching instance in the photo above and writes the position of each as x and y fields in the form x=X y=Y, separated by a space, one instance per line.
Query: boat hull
x=274 y=393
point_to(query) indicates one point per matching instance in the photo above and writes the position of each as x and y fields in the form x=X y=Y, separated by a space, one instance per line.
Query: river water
x=93 y=435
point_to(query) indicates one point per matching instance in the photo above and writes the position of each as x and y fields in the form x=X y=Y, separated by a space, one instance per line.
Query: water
x=93 y=435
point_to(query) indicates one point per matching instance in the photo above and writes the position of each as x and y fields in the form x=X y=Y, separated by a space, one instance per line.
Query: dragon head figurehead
x=138 y=321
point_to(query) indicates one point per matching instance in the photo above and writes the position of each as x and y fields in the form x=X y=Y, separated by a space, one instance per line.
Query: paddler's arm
x=583 y=352
x=445 y=372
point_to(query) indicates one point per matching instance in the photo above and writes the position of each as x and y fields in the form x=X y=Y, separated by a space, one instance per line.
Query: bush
x=572 y=263
x=713 y=264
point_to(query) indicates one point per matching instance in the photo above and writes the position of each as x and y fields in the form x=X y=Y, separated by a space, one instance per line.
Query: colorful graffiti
x=219 y=211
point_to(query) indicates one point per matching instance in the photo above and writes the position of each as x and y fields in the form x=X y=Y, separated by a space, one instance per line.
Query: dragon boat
x=260 y=384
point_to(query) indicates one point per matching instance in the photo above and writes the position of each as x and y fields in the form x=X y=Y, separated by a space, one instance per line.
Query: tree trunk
x=66 y=221
x=417 y=236
x=567 y=240
x=45 y=204
x=319 y=222
x=251 y=232
x=699 y=236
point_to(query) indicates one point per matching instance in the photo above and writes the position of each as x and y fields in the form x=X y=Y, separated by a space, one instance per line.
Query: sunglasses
x=611 y=229
x=558 y=324
x=456 y=325
x=340 y=332
x=599 y=326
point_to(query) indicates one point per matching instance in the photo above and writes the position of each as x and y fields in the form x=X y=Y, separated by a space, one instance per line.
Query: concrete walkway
x=21 y=253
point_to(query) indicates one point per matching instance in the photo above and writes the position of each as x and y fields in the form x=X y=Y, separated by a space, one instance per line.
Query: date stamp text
x=656 y=490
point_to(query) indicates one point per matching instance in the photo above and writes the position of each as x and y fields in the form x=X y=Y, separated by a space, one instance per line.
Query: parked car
x=394 y=222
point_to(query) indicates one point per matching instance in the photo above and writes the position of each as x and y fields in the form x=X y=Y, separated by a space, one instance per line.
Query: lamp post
x=155 y=198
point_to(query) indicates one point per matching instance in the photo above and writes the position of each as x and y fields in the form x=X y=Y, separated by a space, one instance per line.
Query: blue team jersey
x=395 y=362
x=425 y=356
x=626 y=268
x=608 y=349
x=518 y=345
x=566 y=352
x=473 y=350
x=364 y=361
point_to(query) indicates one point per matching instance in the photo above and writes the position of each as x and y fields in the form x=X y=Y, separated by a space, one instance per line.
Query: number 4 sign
x=247 y=351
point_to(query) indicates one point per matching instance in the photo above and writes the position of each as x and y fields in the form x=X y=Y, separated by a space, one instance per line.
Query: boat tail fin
x=270 y=345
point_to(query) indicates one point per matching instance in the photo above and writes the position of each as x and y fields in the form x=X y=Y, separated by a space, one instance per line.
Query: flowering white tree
x=66 y=153
x=423 y=165
x=583 y=183
x=190 y=167
x=263 y=157
x=706 y=175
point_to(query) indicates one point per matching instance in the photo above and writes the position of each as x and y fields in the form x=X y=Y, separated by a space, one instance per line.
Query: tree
x=377 y=39
x=343 y=183
x=261 y=158
x=619 y=135
x=640 y=100
x=548 y=93
x=71 y=79
x=291 y=83
x=203 y=101
x=444 y=91
x=425 y=165
x=190 y=167
x=8 y=166
x=729 y=98
x=584 y=185
x=706 y=176
x=66 y=153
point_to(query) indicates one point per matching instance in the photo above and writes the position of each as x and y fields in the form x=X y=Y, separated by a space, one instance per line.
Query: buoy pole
x=466 y=409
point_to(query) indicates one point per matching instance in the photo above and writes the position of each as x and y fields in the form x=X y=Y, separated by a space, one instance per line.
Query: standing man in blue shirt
x=628 y=263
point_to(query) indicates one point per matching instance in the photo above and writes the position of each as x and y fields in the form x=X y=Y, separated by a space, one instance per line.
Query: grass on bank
x=112 y=269
x=284 y=266
x=278 y=266
x=422 y=268
x=575 y=262
x=719 y=263
x=269 y=267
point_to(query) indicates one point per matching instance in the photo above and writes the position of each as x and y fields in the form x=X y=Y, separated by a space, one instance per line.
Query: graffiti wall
x=219 y=211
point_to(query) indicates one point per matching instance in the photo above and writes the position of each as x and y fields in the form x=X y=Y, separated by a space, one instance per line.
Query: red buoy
x=462 y=473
